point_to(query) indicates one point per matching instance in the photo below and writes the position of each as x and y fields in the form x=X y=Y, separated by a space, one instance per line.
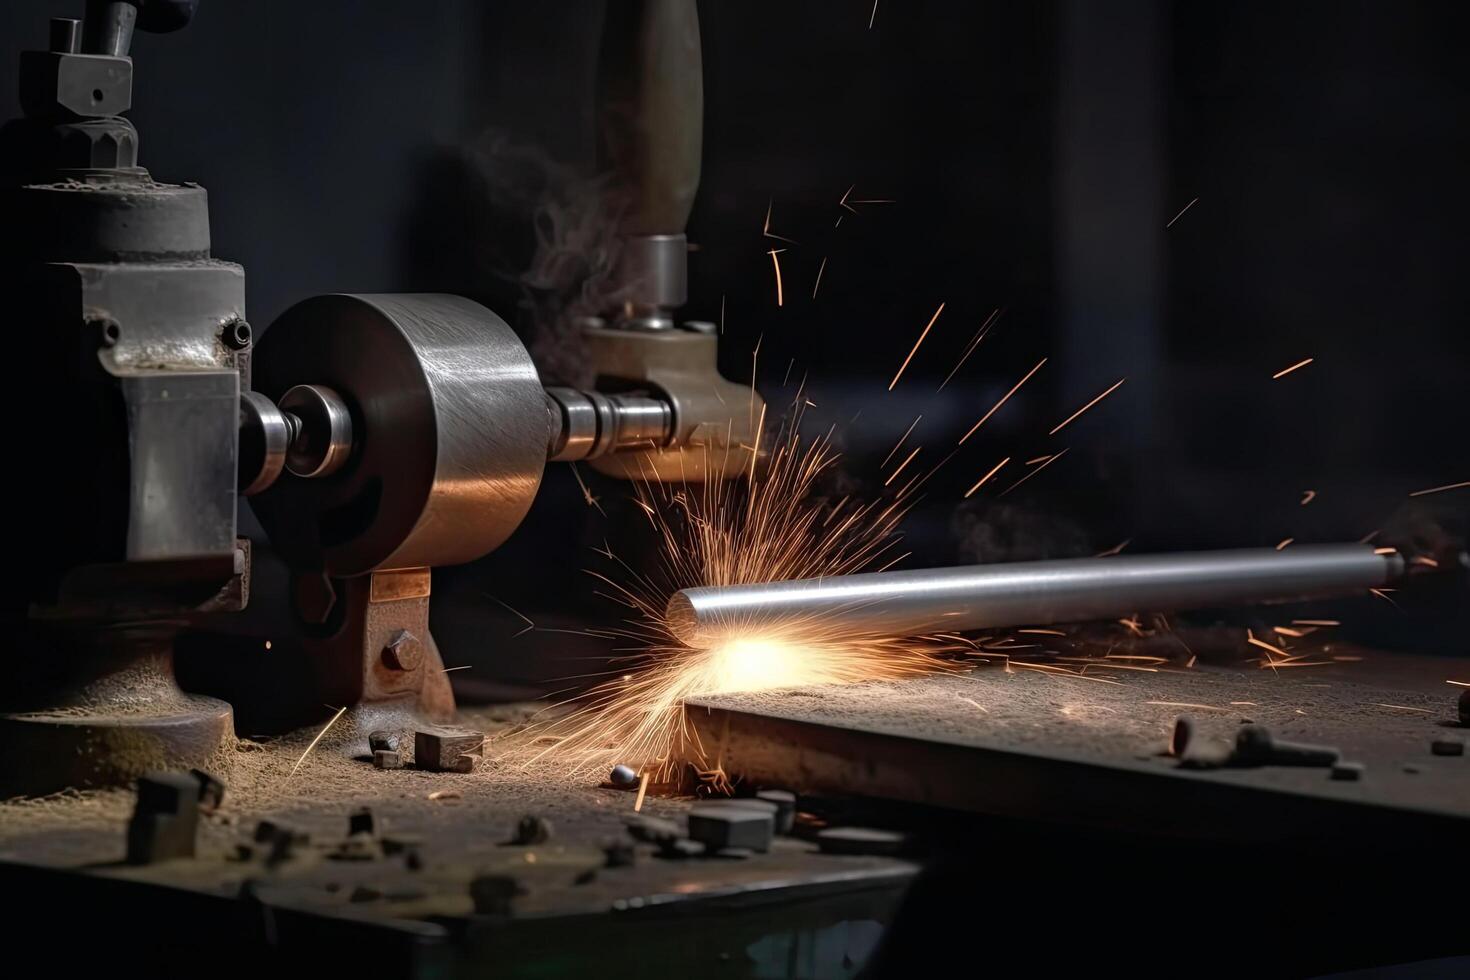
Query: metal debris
x=386 y=759
x=785 y=802
x=360 y=821
x=619 y=854
x=383 y=741
x=533 y=829
x=1255 y=746
x=623 y=776
x=1447 y=746
x=1348 y=771
x=1179 y=740
x=730 y=824
x=165 y=818
x=680 y=847
x=860 y=840
x=447 y=749
x=211 y=790
x=652 y=830
x=493 y=894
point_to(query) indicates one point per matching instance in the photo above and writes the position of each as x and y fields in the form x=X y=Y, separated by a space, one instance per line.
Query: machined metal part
x=109 y=27
x=653 y=281
x=909 y=603
x=321 y=431
x=449 y=421
x=713 y=419
x=651 y=119
x=265 y=436
x=589 y=424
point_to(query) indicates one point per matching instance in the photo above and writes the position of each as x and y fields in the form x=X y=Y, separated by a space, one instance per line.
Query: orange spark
x=1186 y=704
x=1084 y=408
x=922 y=335
x=1033 y=473
x=1308 y=496
x=818 y=284
x=1459 y=683
x=766 y=228
x=974 y=342
x=1316 y=622
x=873 y=16
x=1385 y=551
x=1115 y=549
x=1285 y=371
x=894 y=451
x=780 y=295
x=1447 y=486
x=1283 y=543
x=906 y=462
x=1003 y=400
x=981 y=482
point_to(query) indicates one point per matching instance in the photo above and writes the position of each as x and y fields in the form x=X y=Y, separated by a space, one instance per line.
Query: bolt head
x=403 y=652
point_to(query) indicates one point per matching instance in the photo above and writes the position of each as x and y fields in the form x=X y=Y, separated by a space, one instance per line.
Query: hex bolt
x=403 y=652
x=1254 y=746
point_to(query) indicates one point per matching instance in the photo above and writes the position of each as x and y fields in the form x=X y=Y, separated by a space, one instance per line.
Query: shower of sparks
x=1068 y=420
x=1285 y=371
x=927 y=327
x=901 y=439
x=1308 y=496
x=981 y=482
x=1447 y=486
x=974 y=343
x=340 y=711
x=1180 y=214
x=776 y=264
x=1049 y=461
x=772 y=527
x=1007 y=397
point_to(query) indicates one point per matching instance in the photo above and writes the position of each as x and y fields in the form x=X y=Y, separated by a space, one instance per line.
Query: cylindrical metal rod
x=1035 y=593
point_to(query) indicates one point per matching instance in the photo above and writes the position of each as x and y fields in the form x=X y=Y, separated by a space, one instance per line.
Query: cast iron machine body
x=376 y=435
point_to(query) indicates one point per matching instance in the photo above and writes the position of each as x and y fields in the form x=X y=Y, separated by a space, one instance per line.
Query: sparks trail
x=974 y=343
x=1070 y=418
x=927 y=327
x=981 y=482
x=1007 y=397
x=818 y=284
x=894 y=451
x=772 y=527
x=1447 y=486
x=776 y=263
x=1180 y=214
x=1285 y=371
x=894 y=475
x=1049 y=461
x=766 y=228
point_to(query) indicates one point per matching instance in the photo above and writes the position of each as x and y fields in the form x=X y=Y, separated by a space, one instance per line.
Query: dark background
x=1034 y=154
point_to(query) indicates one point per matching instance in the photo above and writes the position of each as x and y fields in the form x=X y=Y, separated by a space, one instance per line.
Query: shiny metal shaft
x=1035 y=593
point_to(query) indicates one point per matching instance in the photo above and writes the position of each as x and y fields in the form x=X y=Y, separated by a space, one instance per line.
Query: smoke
x=991 y=531
x=565 y=271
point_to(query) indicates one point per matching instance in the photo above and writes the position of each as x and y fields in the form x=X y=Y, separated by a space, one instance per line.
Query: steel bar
x=971 y=597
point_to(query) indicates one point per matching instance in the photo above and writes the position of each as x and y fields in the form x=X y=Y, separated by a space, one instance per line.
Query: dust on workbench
x=462 y=826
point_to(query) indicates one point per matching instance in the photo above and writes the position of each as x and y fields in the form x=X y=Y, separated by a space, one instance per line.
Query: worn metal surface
x=1071 y=750
x=450 y=424
x=1037 y=593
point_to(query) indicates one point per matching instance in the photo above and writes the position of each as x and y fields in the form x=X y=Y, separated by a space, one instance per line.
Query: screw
x=403 y=652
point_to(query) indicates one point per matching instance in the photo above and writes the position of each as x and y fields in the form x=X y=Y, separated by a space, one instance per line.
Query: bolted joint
x=403 y=652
